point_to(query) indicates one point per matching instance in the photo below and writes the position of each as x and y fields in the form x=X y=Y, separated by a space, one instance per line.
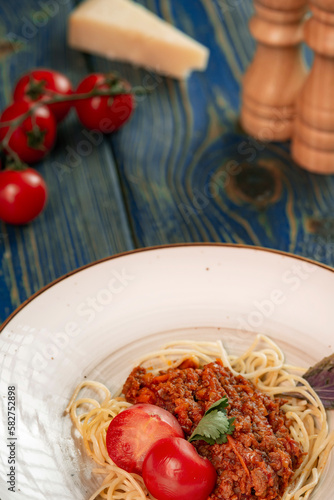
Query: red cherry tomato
x=173 y=470
x=133 y=432
x=32 y=139
x=23 y=195
x=43 y=85
x=104 y=113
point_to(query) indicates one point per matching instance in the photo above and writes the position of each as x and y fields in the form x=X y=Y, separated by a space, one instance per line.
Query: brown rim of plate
x=158 y=247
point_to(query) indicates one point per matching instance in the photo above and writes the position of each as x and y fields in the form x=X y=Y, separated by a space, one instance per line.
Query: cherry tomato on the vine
x=132 y=433
x=43 y=85
x=173 y=470
x=23 y=195
x=34 y=137
x=104 y=113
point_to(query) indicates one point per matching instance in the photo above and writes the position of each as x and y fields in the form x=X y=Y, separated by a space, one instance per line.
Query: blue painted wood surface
x=181 y=170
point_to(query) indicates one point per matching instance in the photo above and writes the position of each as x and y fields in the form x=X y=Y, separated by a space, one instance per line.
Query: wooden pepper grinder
x=275 y=76
x=313 y=137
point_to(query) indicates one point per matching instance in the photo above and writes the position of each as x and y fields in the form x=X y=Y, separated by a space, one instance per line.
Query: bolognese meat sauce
x=259 y=459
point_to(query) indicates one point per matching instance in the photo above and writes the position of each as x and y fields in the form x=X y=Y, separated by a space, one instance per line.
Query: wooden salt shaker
x=275 y=76
x=313 y=137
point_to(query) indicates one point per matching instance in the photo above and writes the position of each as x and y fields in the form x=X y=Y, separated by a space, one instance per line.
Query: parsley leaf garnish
x=215 y=425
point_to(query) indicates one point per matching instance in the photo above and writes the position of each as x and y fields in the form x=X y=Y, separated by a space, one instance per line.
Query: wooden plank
x=85 y=218
x=175 y=156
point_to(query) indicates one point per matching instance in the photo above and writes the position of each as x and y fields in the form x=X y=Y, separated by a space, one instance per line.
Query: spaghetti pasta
x=262 y=363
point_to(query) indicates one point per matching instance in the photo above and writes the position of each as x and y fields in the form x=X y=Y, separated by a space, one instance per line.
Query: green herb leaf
x=215 y=425
x=220 y=405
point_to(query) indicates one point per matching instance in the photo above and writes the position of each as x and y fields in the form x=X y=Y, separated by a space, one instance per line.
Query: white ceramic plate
x=95 y=322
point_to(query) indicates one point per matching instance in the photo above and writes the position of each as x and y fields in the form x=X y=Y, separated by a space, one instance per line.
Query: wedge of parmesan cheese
x=125 y=30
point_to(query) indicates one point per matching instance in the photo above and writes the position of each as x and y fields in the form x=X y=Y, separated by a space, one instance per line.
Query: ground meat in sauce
x=261 y=439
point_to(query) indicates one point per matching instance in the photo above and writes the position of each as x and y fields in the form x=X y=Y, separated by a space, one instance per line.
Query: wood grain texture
x=181 y=170
x=85 y=218
x=199 y=177
x=313 y=135
x=273 y=80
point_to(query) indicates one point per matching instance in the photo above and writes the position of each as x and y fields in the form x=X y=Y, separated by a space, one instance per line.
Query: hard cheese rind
x=124 y=30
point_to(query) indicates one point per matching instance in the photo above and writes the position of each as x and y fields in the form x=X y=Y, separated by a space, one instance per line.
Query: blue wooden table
x=181 y=170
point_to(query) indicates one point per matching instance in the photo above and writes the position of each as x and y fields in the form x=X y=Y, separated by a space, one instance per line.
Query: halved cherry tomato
x=34 y=137
x=104 y=113
x=23 y=195
x=134 y=431
x=42 y=85
x=173 y=470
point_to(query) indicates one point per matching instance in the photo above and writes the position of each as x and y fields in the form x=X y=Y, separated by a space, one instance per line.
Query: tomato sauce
x=259 y=459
